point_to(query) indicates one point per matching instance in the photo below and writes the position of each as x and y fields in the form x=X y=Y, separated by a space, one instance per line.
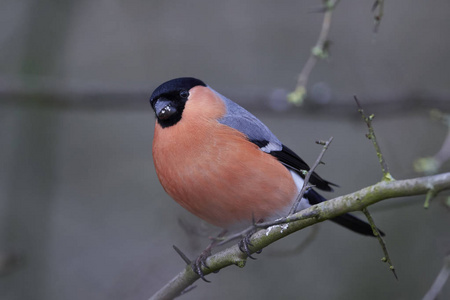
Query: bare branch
x=377 y=234
x=323 y=211
x=371 y=136
x=386 y=177
x=319 y=51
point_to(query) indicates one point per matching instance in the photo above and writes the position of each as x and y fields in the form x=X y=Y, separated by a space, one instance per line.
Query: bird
x=224 y=165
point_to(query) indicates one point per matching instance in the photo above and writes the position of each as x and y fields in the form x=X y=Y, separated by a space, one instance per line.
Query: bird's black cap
x=175 y=86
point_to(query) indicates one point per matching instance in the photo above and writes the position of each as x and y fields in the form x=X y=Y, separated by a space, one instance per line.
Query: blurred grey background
x=82 y=214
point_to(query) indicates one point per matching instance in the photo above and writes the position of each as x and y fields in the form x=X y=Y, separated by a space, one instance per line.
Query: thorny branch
x=386 y=177
x=356 y=201
x=319 y=51
x=386 y=258
x=371 y=136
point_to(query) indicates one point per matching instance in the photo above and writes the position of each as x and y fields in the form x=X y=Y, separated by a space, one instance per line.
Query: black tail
x=347 y=220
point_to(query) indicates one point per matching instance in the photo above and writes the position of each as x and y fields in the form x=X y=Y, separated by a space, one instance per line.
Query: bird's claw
x=245 y=243
x=201 y=262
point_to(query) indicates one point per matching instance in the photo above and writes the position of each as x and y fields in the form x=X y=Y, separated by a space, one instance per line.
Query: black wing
x=292 y=161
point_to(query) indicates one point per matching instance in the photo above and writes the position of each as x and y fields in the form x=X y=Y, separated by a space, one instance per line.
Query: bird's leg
x=201 y=259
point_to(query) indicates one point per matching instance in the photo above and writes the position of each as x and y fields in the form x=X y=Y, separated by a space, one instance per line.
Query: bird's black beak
x=164 y=109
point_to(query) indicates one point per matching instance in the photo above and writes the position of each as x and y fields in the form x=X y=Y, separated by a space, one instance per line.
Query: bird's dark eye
x=184 y=94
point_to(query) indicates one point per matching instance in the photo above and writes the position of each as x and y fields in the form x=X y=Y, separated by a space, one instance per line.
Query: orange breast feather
x=213 y=171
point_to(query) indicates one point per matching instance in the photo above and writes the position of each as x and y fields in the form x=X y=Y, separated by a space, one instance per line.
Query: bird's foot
x=201 y=262
x=245 y=243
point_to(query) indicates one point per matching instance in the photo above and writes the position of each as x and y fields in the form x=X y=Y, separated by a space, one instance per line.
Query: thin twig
x=371 y=136
x=386 y=177
x=319 y=51
x=306 y=185
x=377 y=234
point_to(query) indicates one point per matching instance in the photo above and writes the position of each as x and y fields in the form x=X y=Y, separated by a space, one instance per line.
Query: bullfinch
x=224 y=165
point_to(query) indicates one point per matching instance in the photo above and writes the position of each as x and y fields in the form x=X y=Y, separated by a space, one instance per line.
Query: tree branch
x=386 y=177
x=386 y=258
x=318 y=213
x=371 y=136
x=319 y=51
